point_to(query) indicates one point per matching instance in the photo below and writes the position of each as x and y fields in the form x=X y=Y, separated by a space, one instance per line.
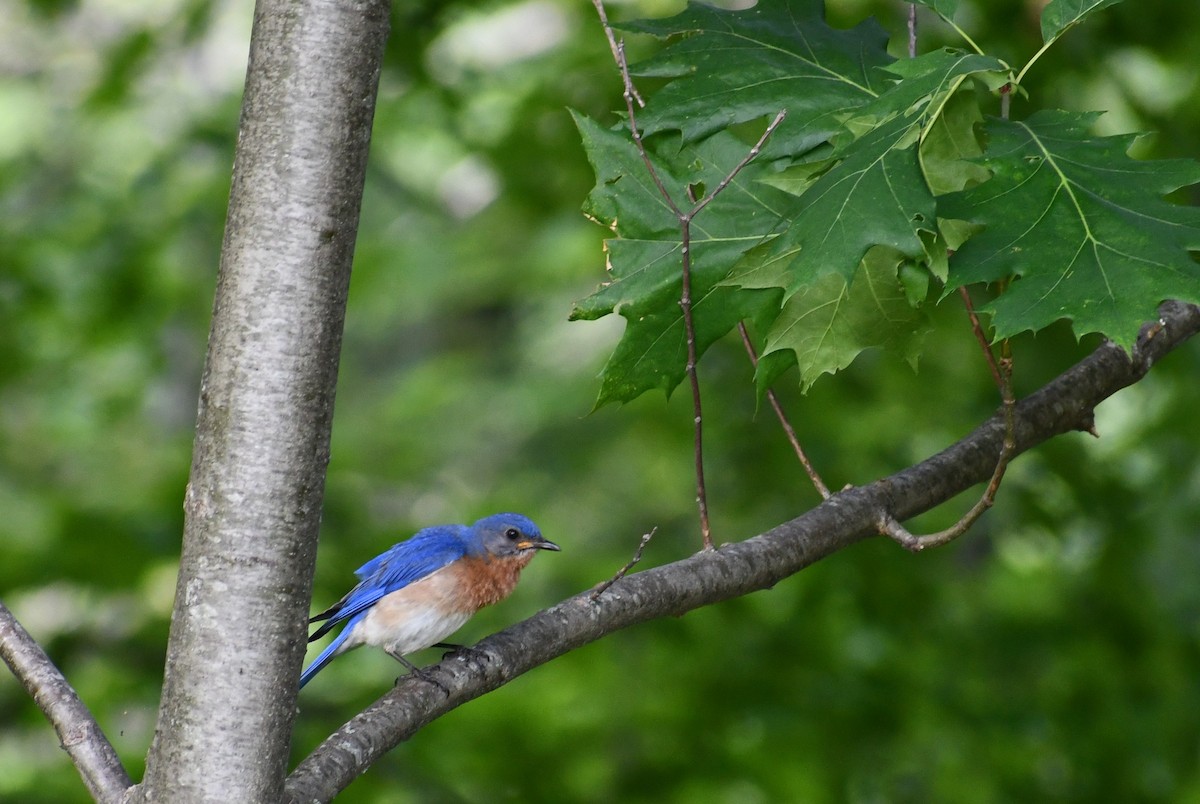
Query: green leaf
x=1059 y=15
x=828 y=321
x=645 y=260
x=1083 y=226
x=874 y=194
x=797 y=178
x=735 y=66
x=915 y=281
x=950 y=148
x=652 y=353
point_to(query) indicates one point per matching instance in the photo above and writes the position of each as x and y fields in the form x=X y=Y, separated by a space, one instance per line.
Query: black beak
x=539 y=544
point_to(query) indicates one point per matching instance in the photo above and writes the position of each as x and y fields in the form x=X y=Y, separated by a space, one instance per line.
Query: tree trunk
x=253 y=502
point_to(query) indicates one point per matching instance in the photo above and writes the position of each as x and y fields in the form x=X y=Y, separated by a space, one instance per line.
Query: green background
x=1051 y=654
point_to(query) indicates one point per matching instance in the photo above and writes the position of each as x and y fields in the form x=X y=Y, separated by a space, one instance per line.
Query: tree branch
x=78 y=732
x=711 y=576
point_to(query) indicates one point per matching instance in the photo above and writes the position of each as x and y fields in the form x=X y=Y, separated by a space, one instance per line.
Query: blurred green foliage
x=1051 y=654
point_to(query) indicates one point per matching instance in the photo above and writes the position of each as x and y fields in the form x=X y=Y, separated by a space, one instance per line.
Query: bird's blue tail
x=326 y=656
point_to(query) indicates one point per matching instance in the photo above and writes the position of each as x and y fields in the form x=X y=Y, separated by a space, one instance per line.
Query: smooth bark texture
x=78 y=732
x=848 y=517
x=266 y=402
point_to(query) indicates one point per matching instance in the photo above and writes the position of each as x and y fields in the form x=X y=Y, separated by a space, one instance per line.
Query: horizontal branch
x=1063 y=405
x=78 y=732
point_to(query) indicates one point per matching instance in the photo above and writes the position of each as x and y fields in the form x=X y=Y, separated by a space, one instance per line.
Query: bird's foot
x=420 y=673
x=465 y=651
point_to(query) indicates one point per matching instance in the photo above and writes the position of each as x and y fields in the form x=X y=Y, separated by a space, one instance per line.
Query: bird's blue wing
x=411 y=560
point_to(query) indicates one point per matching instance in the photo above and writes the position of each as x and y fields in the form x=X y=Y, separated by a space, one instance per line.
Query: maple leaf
x=830 y=240
x=1060 y=15
x=874 y=192
x=1083 y=226
x=731 y=67
x=829 y=321
x=645 y=259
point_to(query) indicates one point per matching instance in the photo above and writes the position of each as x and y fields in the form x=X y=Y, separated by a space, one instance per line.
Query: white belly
x=400 y=626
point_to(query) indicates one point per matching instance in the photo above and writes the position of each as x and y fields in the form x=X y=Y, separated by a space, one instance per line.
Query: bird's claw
x=421 y=674
x=467 y=652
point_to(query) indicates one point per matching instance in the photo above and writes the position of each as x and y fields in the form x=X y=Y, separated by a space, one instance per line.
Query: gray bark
x=266 y=402
x=78 y=732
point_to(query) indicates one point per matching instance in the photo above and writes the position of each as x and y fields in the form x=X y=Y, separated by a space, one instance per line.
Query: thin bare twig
x=78 y=732
x=822 y=489
x=980 y=336
x=632 y=99
x=888 y=525
x=685 y=297
x=685 y=304
x=912 y=30
x=612 y=45
x=629 y=94
x=689 y=326
x=1002 y=374
x=637 y=556
x=747 y=159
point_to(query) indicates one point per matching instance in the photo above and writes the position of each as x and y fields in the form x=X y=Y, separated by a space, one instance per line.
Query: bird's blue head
x=509 y=535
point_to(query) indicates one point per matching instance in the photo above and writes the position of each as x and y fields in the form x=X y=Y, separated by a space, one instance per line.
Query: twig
x=685 y=220
x=822 y=489
x=912 y=30
x=637 y=556
x=1002 y=374
x=685 y=296
x=747 y=159
x=78 y=732
x=614 y=47
x=888 y=525
x=977 y=328
x=685 y=304
x=629 y=94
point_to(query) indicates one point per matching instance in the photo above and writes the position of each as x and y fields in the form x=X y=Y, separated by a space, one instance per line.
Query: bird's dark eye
x=513 y=534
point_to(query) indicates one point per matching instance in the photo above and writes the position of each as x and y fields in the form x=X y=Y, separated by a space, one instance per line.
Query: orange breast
x=481 y=582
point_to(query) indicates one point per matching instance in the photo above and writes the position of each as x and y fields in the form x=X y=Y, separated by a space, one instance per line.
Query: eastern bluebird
x=423 y=589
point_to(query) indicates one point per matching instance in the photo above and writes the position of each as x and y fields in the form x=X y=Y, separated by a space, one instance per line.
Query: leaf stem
x=965 y=36
x=1038 y=55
